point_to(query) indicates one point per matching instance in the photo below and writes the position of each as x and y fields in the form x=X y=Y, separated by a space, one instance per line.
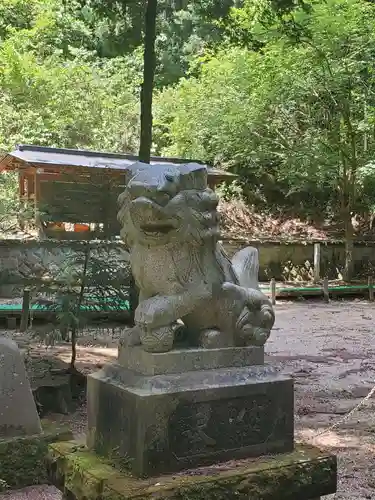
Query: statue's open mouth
x=158 y=228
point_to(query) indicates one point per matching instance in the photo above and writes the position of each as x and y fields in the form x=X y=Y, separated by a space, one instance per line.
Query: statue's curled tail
x=255 y=323
x=246 y=266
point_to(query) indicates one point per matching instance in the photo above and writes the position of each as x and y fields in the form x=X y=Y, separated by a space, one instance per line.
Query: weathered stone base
x=23 y=459
x=187 y=360
x=304 y=474
x=168 y=423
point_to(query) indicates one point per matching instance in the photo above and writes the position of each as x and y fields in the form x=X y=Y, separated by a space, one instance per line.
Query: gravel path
x=34 y=493
x=330 y=350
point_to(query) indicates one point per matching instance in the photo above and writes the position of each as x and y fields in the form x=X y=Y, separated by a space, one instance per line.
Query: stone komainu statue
x=170 y=224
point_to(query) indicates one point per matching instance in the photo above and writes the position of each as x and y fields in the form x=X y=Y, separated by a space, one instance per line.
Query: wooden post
x=370 y=289
x=273 y=291
x=37 y=207
x=325 y=290
x=316 y=262
x=25 y=310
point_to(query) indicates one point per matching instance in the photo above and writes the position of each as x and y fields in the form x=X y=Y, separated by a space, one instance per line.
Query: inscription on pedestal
x=227 y=424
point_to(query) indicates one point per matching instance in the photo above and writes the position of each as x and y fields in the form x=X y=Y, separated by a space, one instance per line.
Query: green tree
x=185 y=28
x=75 y=103
x=55 y=89
x=299 y=114
x=70 y=72
x=252 y=22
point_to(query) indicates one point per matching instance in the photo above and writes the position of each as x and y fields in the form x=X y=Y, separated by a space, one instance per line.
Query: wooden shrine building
x=75 y=192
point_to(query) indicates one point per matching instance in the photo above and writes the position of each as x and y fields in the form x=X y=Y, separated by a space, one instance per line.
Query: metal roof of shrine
x=26 y=155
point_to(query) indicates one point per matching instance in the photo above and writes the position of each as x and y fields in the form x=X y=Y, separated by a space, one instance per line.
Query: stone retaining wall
x=21 y=261
x=33 y=260
x=294 y=261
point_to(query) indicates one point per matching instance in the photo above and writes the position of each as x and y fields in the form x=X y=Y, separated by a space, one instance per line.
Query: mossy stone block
x=168 y=423
x=304 y=474
x=23 y=458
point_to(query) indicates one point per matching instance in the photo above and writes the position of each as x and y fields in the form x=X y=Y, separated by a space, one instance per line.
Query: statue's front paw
x=254 y=327
x=153 y=313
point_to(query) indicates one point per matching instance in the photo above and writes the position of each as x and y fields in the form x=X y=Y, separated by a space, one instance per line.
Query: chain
x=345 y=417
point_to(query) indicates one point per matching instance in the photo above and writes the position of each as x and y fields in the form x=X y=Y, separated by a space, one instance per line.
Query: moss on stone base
x=304 y=474
x=23 y=459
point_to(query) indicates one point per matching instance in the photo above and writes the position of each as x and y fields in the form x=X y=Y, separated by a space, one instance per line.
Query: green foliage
x=55 y=90
x=279 y=91
x=15 y=14
x=13 y=213
x=9 y=204
x=232 y=191
x=66 y=103
x=295 y=119
x=185 y=29
x=70 y=72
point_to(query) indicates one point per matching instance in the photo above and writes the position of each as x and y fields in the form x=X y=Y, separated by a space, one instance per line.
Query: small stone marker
x=18 y=412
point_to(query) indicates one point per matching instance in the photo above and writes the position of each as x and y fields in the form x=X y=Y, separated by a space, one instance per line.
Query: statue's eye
x=169 y=177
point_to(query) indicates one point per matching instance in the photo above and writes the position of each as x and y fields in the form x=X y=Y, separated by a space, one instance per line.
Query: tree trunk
x=79 y=304
x=350 y=184
x=149 y=65
x=74 y=349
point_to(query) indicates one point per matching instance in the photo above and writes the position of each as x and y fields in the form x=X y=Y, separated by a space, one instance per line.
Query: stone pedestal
x=23 y=439
x=304 y=474
x=166 y=422
x=18 y=413
x=23 y=458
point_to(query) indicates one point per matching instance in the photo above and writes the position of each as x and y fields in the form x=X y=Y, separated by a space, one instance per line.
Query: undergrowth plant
x=15 y=213
x=90 y=280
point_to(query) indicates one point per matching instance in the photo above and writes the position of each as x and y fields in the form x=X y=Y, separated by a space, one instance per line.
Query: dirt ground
x=330 y=351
